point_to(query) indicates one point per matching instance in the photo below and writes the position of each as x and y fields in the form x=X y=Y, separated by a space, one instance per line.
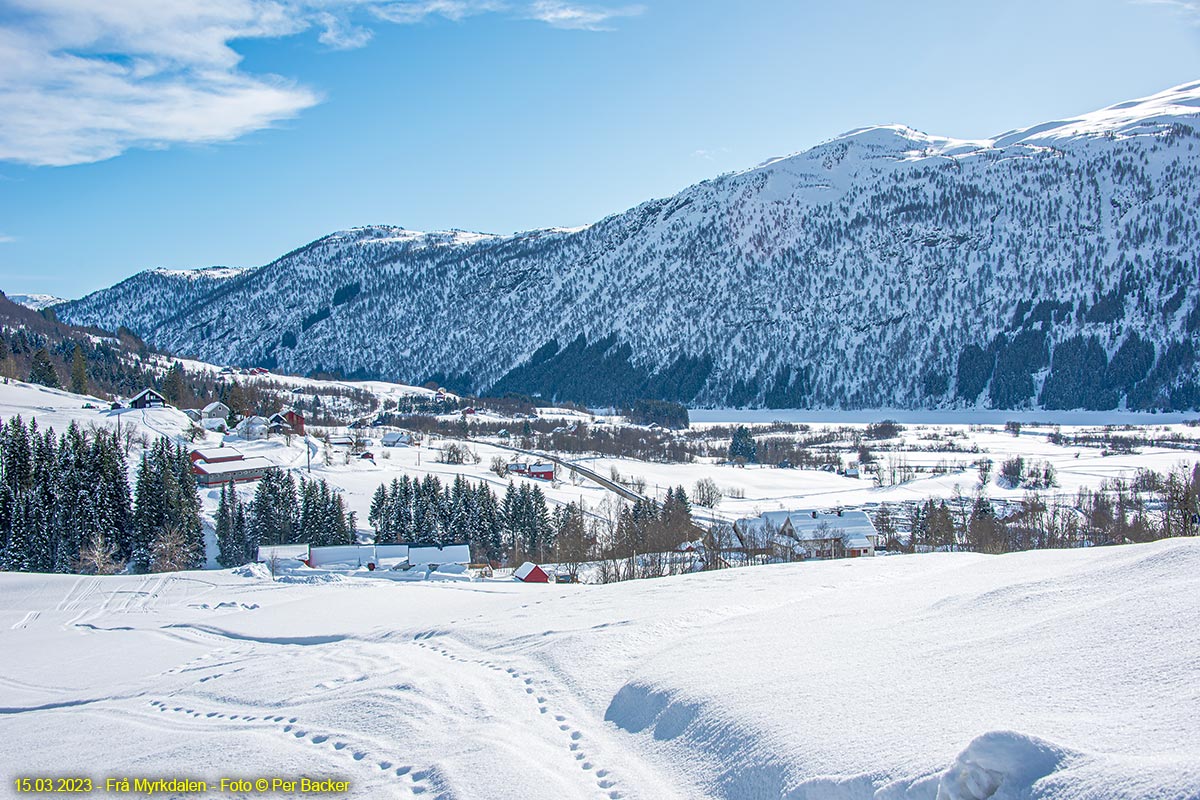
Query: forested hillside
x=1052 y=267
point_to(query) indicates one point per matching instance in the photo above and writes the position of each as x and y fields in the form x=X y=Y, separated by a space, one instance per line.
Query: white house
x=215 y=410
x=811 y=533
x=253 y=428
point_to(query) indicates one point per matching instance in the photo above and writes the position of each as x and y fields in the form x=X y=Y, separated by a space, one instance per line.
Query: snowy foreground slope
x=1068 y=674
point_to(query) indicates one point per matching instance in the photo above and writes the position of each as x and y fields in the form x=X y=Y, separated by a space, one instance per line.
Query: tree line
x=1149 y=507
x=66 y=504
x=283 y=511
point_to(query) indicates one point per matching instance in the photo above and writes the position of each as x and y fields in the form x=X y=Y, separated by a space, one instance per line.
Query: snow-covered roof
x=857 y=541
x=434 y=554
x=216 y=453
x=215 y=405
x=525 y=570
x=241 y=465
x=850 y=524
x=146 y=391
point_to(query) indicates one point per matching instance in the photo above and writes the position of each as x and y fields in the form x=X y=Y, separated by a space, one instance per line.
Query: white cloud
x=339 y=34
x=1189 y=8
x=5 y=239
x=82 y=80
x=577 y=17
x=410 y=11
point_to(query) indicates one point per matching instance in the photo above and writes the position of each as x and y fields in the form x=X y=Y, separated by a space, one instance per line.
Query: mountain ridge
x=884 y=267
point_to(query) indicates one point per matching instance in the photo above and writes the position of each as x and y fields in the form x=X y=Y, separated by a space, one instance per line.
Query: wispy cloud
x=577 y=17
x=340 y=34
x=410 y=11
x=1189 y=8
x=83 y=81
x=5 y=238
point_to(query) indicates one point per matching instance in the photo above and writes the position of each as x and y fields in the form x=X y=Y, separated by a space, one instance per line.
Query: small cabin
x=147 y=398
x=531 y=573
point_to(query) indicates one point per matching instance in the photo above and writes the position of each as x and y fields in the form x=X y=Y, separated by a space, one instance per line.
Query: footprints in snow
x=418 y=781
x=575 y=738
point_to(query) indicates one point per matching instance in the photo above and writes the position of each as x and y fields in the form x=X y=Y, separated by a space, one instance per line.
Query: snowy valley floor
x=1054 y=674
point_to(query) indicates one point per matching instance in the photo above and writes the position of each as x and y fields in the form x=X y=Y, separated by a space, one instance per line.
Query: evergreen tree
x=541 y=528
x=173 y=384
x=509 y=524
x=166 y=508
x=79 y=380
x=41 y=369
x=491 y=528
x=742 y=445
x=241 y=531
x=230 y=551
x=377 y=517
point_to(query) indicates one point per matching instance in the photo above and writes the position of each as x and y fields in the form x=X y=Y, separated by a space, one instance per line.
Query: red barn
x=544 y=471
x=216 y=455
x=531 y=573
x=287 y=421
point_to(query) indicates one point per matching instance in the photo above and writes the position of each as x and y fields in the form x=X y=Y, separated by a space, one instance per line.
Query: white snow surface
x=1058 y=674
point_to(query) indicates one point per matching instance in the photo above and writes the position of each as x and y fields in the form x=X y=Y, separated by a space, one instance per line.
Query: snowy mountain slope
x=1054 y=675
x=36 y=301
x=1053 y=266
x=154 y=296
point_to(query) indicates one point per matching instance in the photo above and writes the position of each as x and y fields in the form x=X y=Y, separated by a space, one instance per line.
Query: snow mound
x=257 y=571
x=1001 y=765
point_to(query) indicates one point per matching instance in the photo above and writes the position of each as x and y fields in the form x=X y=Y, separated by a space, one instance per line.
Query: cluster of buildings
x=541 y=470
x=215 y=417
x=802 y=534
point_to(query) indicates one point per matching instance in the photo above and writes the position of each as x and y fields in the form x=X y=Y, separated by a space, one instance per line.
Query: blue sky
x=144 y=133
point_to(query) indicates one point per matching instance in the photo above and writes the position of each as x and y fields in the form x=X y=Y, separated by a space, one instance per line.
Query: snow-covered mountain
x=1052 y=266
x=36 y=301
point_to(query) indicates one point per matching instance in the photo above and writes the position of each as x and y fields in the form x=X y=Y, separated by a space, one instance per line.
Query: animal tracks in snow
x=573 y=740
x=405 y=776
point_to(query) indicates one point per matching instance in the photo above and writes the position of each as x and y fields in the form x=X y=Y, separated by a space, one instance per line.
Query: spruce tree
x=41 y=369
x=173 y=384
x=230 y=551
x=79 y=380
x=241 y=531
x=377 y=516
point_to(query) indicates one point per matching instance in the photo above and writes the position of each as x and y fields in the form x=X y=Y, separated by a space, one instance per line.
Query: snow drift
x=1056 y=674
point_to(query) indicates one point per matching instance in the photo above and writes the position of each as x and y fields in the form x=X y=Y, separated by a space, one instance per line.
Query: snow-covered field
x=947 y=676
x=749 y=491
x=1063 y=674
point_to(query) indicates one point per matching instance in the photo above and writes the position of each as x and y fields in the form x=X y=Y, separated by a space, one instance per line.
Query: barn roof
x=217 y=453
x=851 y=524
x=529 y=569
x=241 y=465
